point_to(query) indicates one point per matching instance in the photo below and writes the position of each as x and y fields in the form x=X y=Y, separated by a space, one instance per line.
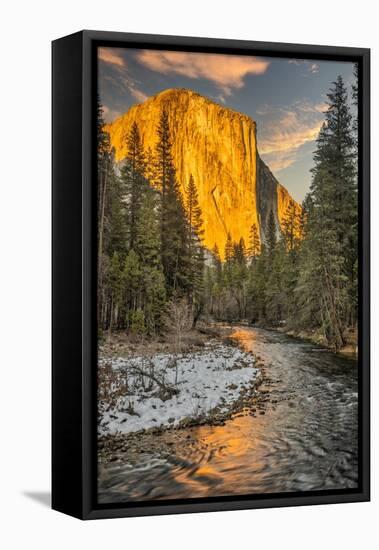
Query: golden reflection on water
x=224 y=451
x=246 y=338
x=225 y=447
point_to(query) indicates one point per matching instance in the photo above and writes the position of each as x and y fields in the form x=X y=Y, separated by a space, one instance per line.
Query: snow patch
x=201 y=381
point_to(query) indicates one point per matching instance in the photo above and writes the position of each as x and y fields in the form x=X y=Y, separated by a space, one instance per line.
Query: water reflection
x=304 y=437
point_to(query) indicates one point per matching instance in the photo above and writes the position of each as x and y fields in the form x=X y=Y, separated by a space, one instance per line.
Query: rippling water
x=305 y=437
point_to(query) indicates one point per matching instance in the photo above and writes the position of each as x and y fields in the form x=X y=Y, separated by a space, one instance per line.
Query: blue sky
x=286 y=97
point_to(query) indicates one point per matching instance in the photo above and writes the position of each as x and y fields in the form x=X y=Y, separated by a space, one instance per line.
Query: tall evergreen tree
x=148 y=248
x=193 y=210
x=174 y=229
x=111 y=225
x=254 y=242
x=228 y=249
x=330 y=245
x=195 y=248
x=291 y=226
x=103 y=168
x=148 y=231
x=257 y=283
x=216 y=262
x=271 y=238
x=150 y=167
x=239 y=252
x=132 y=176
x=132 y=284
x=238 y=277
x=213 y=283
x=274 y=291
x=163 y=155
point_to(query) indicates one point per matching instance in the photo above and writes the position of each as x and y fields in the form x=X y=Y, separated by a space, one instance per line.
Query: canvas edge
x=85 y=508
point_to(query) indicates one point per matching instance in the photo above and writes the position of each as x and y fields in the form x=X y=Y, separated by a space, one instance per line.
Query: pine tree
x=148 y=231
x=195 y=248
x=111 y=227
x=274 y=292
x=214 y=284
x=132 y=176
x=194 y=214
x=216 y=262
x=254 y=243
x=271 y=238
x=329 y=252
x=154 y=299
x=103 y=169
x=291 y=226
x=238 y=277
x=115 y=225
x=148 y=248
x=113 y=242
x=257 y=284
x=174 y=247
x=234 y=279
x=132 y=282
x=239 y=252
x=163 y=155
x=150 y=167
x=174 y=228
x=115 y=287
x=228 y=249
x=306 y=212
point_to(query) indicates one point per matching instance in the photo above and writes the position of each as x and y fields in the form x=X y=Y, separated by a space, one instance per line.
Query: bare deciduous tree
x=178 y=321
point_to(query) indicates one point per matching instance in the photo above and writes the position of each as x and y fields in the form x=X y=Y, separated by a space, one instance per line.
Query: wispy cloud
x=219 y=98
x=311 y=66
x=110 y=114
x=264 y=110
x=118 y=73
x=287 y=130
x=111 y=56
x=227 y=72
x=314 y=68
x=309 y=107
x=139 y=95
x=302 y=105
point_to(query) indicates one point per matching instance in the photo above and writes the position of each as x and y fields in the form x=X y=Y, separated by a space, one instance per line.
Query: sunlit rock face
x=218 y=147
x=271 y=195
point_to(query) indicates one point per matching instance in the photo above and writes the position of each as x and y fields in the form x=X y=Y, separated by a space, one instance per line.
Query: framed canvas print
x=210 y=274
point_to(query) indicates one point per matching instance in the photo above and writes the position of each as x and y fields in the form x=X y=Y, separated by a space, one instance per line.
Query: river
x=303 y=437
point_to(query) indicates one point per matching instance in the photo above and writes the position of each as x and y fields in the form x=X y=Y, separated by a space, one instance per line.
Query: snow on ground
x=203 y=380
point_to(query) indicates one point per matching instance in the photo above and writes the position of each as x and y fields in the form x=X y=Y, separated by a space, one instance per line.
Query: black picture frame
x=74 y=274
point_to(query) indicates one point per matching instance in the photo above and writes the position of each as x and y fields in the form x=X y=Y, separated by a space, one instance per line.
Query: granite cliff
x=218 y=146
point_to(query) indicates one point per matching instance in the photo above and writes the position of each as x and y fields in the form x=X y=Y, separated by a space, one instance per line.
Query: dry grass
x=121 y=344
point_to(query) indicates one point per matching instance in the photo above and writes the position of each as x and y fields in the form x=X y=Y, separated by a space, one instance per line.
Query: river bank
x=317 y=337
x=142 y=395
x=349 y=349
